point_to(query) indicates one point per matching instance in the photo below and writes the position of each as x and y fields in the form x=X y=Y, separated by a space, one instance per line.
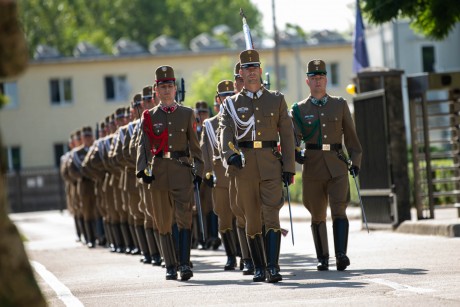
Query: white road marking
x=397 y=286
x=61 y=290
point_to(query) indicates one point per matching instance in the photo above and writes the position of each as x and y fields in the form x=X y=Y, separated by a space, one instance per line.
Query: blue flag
x=360 y=59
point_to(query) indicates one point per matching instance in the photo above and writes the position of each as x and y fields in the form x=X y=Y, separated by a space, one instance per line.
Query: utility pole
x=276 y=50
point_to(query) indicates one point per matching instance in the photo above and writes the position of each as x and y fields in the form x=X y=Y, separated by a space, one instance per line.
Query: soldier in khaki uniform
x=85 y=187
x=216 y=179
x=169 y=136
x=248 y=266
x=322 y=121
x=257 y=118
x=133 y=189
x=149 y=100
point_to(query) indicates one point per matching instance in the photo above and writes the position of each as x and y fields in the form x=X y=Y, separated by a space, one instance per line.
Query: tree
x=205 y=84
x=433 y=18
x=64 y=23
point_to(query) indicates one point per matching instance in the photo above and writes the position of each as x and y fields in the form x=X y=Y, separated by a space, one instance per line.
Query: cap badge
x=164 y=68
x=317 y=62
x=249 y=52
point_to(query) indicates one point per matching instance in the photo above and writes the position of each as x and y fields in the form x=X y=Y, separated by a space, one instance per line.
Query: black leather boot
x=256 y=246
x=155 y=258
x=77 y=229
x=90 y=227
x=167 y=246
x=230 y=249
x=136 y=250
x=273 y=241
x=109 y=236
x=81 y=225
x=340 y=228
x=248 y=265
x=158 y=258
x=185 y=241
x=118 y=238
x=101 y=236
x=319 y=232
x=142 y=238
x=128 y=241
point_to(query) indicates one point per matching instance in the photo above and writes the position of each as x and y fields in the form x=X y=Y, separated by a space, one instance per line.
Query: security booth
x=379 y=120
x=434 y=103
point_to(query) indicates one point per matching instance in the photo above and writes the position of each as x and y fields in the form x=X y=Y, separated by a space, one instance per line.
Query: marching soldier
x=322 y=121
x=128 y=228
x=247 y=265
x=210 y=222
x=85 y=187
x=169 y=136
x=68 y=184
x=257 y=118
x=131 y=186
x=216 y=180
x=149 y=100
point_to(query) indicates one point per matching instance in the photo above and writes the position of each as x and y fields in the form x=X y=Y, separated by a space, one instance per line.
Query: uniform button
x=322 y=114
x=170 y=146
x=257 y=108
x=259 y=133
x=324 y=125
x=325 y=136
x=182 y=130
x=271 y=114
x=170 y=134
x=258 y=121
x=169 y=123
x=309 y=123
x=242 y=116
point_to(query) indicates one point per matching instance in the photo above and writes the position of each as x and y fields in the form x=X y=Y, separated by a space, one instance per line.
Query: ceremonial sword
x=348 y=162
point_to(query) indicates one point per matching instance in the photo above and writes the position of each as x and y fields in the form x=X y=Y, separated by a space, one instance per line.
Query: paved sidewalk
x=446 y=222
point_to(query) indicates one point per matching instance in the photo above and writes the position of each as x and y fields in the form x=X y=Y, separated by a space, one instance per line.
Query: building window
x=116 y=88
x=13 y=158
x=59 y=150
x=428 y=59
x=333 y=74
x=61 y=91
x=10 y=90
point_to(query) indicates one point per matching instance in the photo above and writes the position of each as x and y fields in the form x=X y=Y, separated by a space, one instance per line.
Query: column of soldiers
x=158 y=171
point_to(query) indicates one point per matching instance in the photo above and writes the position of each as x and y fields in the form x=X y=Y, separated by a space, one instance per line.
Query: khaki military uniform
x=213 y=165
x=172 y=187
x=324 y=175
x=258 y=184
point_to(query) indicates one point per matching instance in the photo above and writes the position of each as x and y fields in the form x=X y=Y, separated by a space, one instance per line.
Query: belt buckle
x=326 y=147
x=167 y=155
x=257 y=144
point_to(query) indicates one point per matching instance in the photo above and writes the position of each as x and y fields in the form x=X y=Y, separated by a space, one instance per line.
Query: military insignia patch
x=242 y=110
x=310 y=116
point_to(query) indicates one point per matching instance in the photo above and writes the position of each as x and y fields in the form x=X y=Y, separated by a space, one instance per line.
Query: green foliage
x=64 y=23
x=3 y=100
x=432 y=18
x=204 y=85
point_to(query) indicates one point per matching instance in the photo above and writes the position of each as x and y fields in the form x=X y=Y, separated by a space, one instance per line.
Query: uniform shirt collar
x=169 y=109
x=252 y=95
x=319 y=102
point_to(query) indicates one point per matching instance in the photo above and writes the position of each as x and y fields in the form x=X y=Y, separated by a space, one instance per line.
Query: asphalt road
x=387 y=269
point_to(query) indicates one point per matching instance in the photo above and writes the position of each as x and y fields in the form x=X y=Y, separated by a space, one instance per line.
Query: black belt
x=172 y=154
x=324 y=147
x=257 y=144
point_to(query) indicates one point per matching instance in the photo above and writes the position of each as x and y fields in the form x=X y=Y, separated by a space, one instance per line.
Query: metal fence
x=35 y=190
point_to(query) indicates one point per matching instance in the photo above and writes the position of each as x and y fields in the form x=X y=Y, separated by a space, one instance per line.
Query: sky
x=310 y=15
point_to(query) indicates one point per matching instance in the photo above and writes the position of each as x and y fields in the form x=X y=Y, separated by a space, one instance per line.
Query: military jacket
x=271 y=123
x=211 y=153
x=179 y=128
x=324 y=125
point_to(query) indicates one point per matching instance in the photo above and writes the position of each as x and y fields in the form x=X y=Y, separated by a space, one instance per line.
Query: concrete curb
x=446 y=228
